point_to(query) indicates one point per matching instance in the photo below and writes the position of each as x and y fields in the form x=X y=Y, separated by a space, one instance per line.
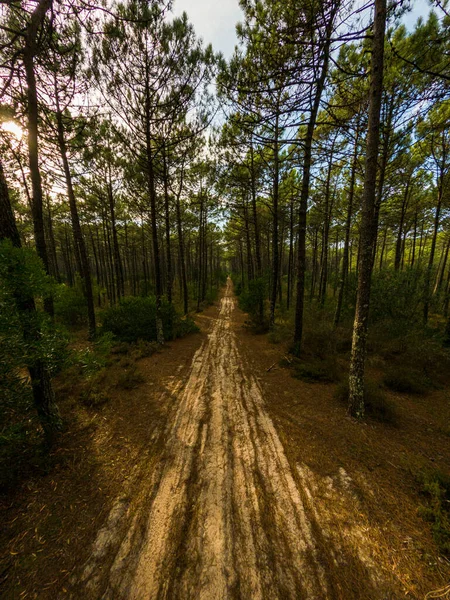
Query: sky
x=215 y=20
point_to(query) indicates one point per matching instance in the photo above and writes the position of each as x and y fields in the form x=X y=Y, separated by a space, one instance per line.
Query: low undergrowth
x=134 y=319
x=88 y=376
x=434 y=487
x=377 y=405
x=405 y=381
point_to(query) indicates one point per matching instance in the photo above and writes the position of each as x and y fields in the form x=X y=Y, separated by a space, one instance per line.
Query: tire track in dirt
x=222 y=515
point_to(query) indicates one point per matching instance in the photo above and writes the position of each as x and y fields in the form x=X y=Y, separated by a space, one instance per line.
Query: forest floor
x=221 y=476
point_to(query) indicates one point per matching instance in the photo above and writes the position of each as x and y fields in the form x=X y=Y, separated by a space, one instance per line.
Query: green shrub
x=134 y=318
x=70 y=305
x=318 y=339
x=281 y=332
x=435 y=486
x=22 y=274
x=377 y=405
x=15 y=391
x=237 y=287
x=184 y=326
x=211 y=296
x=404 y=380
x=253 y=302
x=395 y=295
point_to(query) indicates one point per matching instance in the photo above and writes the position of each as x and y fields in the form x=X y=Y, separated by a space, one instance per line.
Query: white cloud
x=214 y=21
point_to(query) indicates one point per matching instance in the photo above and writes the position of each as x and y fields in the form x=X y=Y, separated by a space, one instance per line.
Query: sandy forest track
x=223 y=514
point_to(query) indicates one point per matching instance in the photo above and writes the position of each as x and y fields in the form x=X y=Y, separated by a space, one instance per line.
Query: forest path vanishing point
x=223 y=514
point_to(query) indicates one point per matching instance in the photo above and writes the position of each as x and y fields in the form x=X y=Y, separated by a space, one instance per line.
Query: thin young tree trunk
x=167 y=223
x=30 y=51
x=290 y=256
x=324 y=278
x=205 y=252
x=280 y=267
x=248 y=242
x=440 y=278
x=348 y=226
x=259 y=271
x=181 y=250
x=51 y=238
x=200 y=253
x=386 y=141
x=447 y=295
x=368 y=220
x=117 y=261
x=306 y=176
x=85 y=271
x=275 y=198
x=314 y=266
x=428 y=272
x=383 y=247
x=110 y=262
x=152 y=197
x=398 y=245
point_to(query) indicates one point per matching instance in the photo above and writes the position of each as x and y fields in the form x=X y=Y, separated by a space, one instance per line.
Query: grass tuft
x=130 y=378
x=435 y=487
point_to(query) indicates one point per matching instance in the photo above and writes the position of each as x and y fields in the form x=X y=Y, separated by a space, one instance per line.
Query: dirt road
x=223 y=514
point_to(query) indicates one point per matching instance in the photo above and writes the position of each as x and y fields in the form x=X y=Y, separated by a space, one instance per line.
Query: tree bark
x=368 y=220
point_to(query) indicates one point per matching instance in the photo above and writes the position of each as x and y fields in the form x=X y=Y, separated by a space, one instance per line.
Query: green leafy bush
x=253 y=301
x=281 y=332
x=22 y=276
x=70 y=305
x=134 y=318
x=395 y=295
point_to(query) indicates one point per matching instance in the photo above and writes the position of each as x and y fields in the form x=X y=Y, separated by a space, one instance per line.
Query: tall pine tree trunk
x=368 y=219
x=31 y=47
